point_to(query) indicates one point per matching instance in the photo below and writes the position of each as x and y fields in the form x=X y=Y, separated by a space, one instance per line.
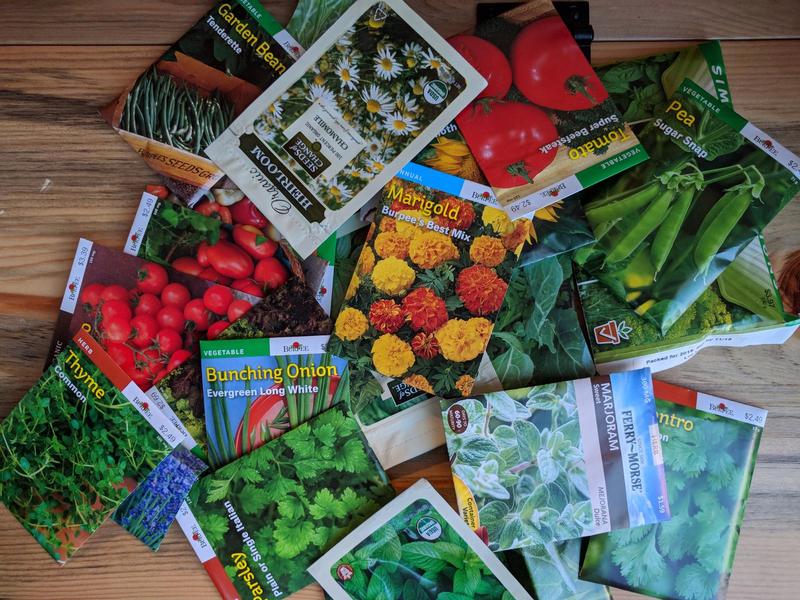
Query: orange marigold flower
x=386 y=316
x=388 y=224
x=487 y=251
x=430 y=249
x=464 y=217
x=523 y=230
x=420 y=382
x=425 y=345
x=391 y=243
x=464 y=384
x=424 y=309
x=366 y=261
x=480 y=289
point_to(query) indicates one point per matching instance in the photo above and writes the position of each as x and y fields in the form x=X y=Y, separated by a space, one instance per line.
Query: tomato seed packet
x=544 y=127
x=76 y=445
x=268 y=515
x=184 y=100
x=256 y=389
x=669 y=227
x=710 y=450
x=360 y=104
x=412 y=545
x=556 y=462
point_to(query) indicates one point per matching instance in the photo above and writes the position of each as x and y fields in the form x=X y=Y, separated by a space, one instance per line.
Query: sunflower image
x=452 y=156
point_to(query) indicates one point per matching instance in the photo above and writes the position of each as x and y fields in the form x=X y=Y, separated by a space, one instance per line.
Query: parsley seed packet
x=359 y=104
x=556 y=462
x=710 y=448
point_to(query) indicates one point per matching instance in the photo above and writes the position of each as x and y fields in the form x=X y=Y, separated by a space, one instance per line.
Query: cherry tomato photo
x=248 y=286
x=236 y=309
x=271 y=273
x=152 y=278
x=216 y=329
x=91 y=294
x=254 y=242
x=147 y=304
x=178 y=357
x=145 y=329
x=113 y=309
x=212 y=209
x=175 y=294
x=117 y=329
x=230 y=260
x=196 y=312
x=171 y=317
x=168 y=341
x=187 y=264
x=120 y=354
x=217 y=298
x=202 y=254
x=245 y=212
x=114 y=292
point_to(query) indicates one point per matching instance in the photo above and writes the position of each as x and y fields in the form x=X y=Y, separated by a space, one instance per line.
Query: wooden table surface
x=66 y=174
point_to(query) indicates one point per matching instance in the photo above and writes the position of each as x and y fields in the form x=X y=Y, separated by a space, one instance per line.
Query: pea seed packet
x=557 y=462
x=667 y=229
x=270 y=514
x=544 y=128
x=710 y=447
x=76 y=445
x=152 y=507
x=553 y=569
x=415 y=544
x=361 y=103
x=256 y=389
x=741 y=308
x=184 y=100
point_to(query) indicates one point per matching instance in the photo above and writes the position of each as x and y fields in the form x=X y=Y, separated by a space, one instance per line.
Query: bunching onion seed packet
x=415 y=547
x=556 y=462
x=367 y=96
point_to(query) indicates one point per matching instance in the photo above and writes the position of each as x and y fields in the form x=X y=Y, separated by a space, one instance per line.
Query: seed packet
x=149 y=511
x=668 y=228
x=553 y=569
x=267 y=525
x=256 y=389
x=414 y=544
x=76 y=445
x=544 y=128
x=710 y=446
x=311 y=18
x=291 y=311
x=184 y=100
x=556 y=462
x=741 y=308
x=343 y=120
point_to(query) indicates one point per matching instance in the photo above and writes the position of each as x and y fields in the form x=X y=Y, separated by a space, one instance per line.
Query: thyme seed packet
x=255 y=390
x=556 y=462
x=184 y=100
x=710 y=449
x=270 y=514
x=76 y=445
x=367 y=96
x=415 y=547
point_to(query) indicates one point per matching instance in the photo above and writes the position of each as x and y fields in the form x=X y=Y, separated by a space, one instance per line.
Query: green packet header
x=277 y=346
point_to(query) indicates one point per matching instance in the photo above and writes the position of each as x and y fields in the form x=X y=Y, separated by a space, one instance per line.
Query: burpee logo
x=198 y=539
x=611 y=333
x=72 y=289
x=720 y=408
x=553 y=192
x=135 y=239
x=295 y=347
x=766 y=144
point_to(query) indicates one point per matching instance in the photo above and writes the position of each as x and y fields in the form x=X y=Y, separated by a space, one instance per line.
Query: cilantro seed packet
x=76 y=445
x=415 y=547
x=358 y=105
x=256 y=389
x=710 y=447
x=556 y=462
x=270 y=514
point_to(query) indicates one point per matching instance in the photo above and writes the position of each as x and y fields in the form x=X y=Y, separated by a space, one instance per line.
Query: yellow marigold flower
x=464 y=384
x=523 y=231
x=392 y=276
x=419 y=382
x=483 y=327
x=459 y=341
x=391 y=243
x=366 y=261
x=351 y=324
x=497 y=219
x=430 y=249
x=388 y=224
x=487 y=251
x=408 y=229
x=352 y=287
x=391 y=355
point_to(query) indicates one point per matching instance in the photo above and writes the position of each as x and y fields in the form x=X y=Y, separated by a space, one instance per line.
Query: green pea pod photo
x=668 y=228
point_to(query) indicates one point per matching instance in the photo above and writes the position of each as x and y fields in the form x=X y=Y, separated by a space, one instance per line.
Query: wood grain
x=65 y=174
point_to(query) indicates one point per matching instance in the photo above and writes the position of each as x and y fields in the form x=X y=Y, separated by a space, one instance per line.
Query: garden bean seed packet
x=256 y=389
x=367 y=96
x=544 y=127
x=415 y=547
x=710 y=447
x=270 y=514
x=556 y=462
x=76 y=445
x=669 y=227
x=184 y=100
x=743 y=307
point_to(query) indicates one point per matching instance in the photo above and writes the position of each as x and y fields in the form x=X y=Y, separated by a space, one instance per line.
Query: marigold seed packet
x=555 y=462
x=270 y=514
x=76 y=445
x=367 y=96
x=415 y=544
x=185 y=99
x=422 y=302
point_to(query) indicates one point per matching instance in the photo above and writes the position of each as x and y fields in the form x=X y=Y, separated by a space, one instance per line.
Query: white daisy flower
x=355 y=173
x=337 y=189
x=431 y=60
x=411 y=49
x=376 y=166
x=399 y=124
x=348 y=74
x=376 y=100
x=374 y=147
x=320 y=92
x=386 y=65
x=407 y=103
x=418 y=85
x=346 y=38
x=274 y=111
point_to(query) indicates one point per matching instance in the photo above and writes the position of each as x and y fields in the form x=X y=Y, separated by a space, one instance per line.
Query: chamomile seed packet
x=331 y=132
